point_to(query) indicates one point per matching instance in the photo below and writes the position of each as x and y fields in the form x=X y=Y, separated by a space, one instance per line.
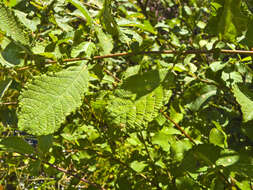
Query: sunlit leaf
x=244 y=96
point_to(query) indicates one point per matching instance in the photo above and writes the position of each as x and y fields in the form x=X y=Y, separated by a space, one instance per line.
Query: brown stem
x=8 y=103
x=178 y=127
x=115 y=78
x=223 y=51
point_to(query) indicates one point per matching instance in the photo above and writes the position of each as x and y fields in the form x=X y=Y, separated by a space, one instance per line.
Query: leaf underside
x=49 y=99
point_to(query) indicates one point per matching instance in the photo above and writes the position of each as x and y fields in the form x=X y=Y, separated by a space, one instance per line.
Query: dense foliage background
x=126 y=94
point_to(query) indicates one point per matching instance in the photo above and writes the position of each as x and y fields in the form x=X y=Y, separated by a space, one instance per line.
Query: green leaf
x=44 y=143
x=228 y=22
x=200 y=156
x=107 y=19
x=228 y=158
x=16 y=144
x=31 y=24
x=216 y=137
x=10 y=25
x=34 y=167
x=87 y=47
x=105 y=41
x=183 y=183
x=83 y=10
x=162 y=140
x=141 y=84
x=49 y=99
x=198 y=94
x=13 y=55
x=125 y=112
x=138 y=166
x=179 y=148
x=247 y=129
x=244 y=96
x=4 y=85
x=146 y=26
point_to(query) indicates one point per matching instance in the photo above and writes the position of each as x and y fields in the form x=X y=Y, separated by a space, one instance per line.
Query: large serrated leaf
x=10 y=25
x=244 y=96
x=125 y=112
x=49 y=99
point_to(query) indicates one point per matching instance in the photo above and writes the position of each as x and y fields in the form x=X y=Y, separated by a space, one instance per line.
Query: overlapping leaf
x=125 y=112
x=49 y=99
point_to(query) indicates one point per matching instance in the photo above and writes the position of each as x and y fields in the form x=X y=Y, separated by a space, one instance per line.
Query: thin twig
x=114 y=159
x=8 y=103
x=115 y=78
x=223 y=51
x=65 y=171
x=178 y=127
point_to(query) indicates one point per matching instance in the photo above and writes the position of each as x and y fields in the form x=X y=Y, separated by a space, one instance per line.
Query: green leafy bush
x=126 y=94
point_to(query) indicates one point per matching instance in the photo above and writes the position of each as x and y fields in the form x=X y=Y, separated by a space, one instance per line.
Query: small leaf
x=4 y=85
x=216 y=137
x=244 y=96
x=107 y=19
x=87 y=47
x=198 y=94
x=34 y=167
x=16 y=144
x=44 y=143
x=146 y=26
x=125 y=112
x=138 y=166
x=31 y=24
x=228 y=157
x=141 y=84
x=162 y=140
x=83 y=10
x=105 y=41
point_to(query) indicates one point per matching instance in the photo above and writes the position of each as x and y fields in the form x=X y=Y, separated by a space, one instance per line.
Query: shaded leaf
x=44 y=143
x=16 y=144
x=137 y=113
x=228 y=22
x=198 y=94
